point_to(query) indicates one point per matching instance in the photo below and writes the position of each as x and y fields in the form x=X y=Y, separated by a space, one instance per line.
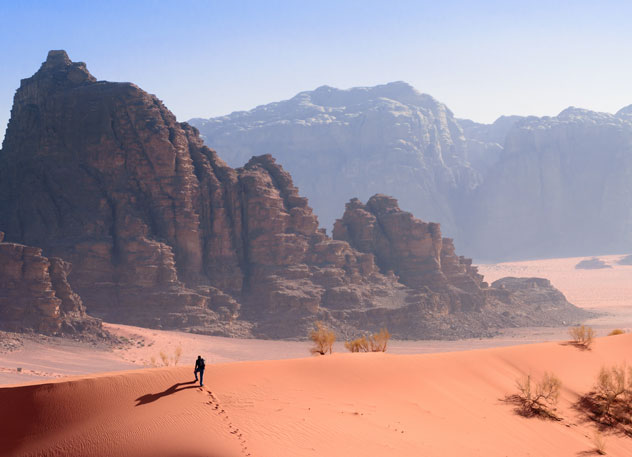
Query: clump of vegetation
x=165 y=358
x=538 y=398
x=614 y=392
x=358 y=345
x=610 y=403
x=19 y=369
x=374 y=343
x=616 y=331
x=379 y=341
x=177 y=354
x=323 y=339
x=582 y=336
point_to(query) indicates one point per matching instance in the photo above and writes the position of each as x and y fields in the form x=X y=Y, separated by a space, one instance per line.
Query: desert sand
x=268 y=398
x=376 y=404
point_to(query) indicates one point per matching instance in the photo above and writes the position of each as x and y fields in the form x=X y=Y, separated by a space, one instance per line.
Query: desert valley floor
x=432 y=398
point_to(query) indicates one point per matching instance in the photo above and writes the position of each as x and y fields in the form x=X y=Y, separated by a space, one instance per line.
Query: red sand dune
x=447 y=404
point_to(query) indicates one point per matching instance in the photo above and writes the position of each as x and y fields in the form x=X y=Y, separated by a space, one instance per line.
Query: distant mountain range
x=521 y=187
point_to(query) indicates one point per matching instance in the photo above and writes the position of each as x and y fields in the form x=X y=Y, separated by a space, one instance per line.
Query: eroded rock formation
x=35 y=294
x=416 y=253
x=162 y=233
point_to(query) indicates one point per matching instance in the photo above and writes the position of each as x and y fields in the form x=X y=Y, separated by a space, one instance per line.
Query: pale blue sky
x=208 y=58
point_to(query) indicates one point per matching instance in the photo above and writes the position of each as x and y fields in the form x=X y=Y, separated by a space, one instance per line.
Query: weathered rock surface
x=35 y=294
x=162 y=233
x=412 y=249
x=416 y=253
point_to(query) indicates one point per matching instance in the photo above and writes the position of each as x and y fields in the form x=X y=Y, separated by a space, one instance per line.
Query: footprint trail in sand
x=215 y=404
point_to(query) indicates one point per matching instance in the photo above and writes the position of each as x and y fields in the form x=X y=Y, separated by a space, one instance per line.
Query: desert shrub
x=323 y=339
x=19 y=369
x=165 y=358
x=358 y=345
x=177 y=354
x=610 y=402
x=378 y=341
x=599 y=442
x=539 y=398
x=614 y=386
x=153 y=361
x=582 y=335
x=616 y=331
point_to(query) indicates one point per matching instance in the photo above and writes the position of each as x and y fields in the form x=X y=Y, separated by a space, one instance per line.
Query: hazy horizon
x=208 y=59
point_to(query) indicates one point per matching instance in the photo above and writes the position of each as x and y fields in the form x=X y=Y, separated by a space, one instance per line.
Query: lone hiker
x=199 y=368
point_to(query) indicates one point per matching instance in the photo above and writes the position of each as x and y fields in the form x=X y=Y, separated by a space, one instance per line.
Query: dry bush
x=538 y=398
x=378 y=341
x=616 y=331
x=153 y=361
x=600 y=443
x=177 y=354
x=358 y=345
x=582 y=335
x=165 y=358
x=323 y=339
x=611 y=385
x=610 y=403
x=614 y=391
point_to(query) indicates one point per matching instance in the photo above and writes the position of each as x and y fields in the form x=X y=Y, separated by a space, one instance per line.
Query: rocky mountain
x=162 y=233
x=341 y=144
x=522 y=187
x=35 y=294
x=561 y=187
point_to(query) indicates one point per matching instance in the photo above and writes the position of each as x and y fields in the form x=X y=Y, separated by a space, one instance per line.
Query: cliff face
x=410 y=248
x=339 y=144
x=35 y=294
x=162 y=233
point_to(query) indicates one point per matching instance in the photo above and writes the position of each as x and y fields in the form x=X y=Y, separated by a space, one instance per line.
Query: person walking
x=199 y=368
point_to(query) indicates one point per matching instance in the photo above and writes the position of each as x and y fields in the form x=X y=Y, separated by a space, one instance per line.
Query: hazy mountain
x=520 y=187
x=340 y=144
x=561 y=187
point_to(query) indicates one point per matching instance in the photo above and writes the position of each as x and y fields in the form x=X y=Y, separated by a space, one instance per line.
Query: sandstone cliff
x=449 y=286
x=35 y=294
x=162 y=233
x=159 y=229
